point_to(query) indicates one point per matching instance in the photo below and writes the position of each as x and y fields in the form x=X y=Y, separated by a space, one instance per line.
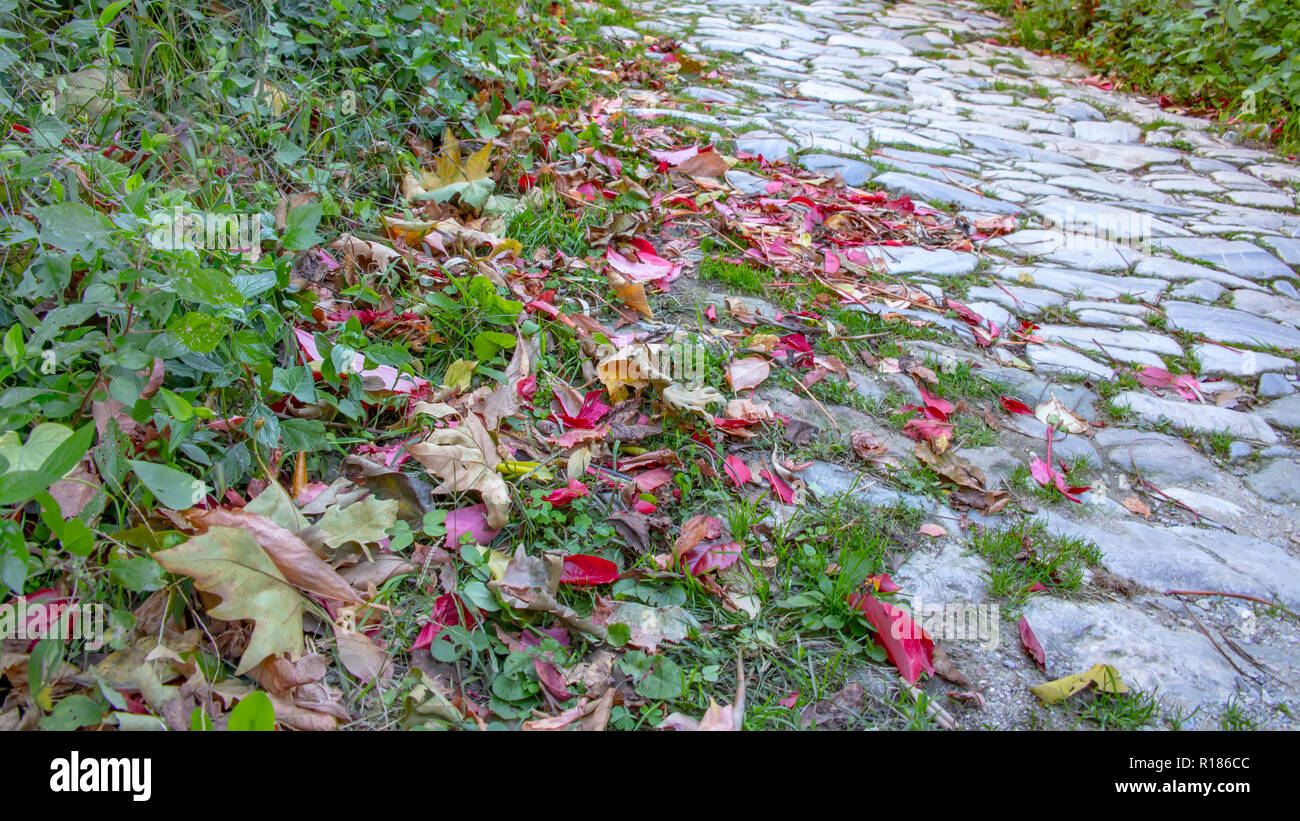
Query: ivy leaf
x=199 y=332
x=253 y=712
x=367 y=520
x=55 y=462
x=297 y=382
x=230 y=563
x=300 y=227
x=175 y=489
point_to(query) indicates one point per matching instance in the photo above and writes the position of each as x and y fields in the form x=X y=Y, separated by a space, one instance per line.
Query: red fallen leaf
x=1031 y=645
x=527 y=388
x=936 y=407
x=445 y=614
x=1015 y=406
x=642 y=506
x=930 y=431
x=711 y=313
x=651 y=479
x=707 y=556
x=1043 y=473
x=1037 y=587
x=932 y=530
x=783 y=490
x=1159 y=379
x=737 y=470
x=584 y=569
x=561 y=497
x=472 y=520
x=614 y=164
x=526 y=181
x=789 y=701
x=550 y=677
x=908 y=645
x=794 y=342
x=591 y=412
x=882 y=583
x=965 y=313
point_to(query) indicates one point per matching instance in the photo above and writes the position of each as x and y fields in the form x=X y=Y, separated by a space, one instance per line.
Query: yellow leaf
x=1104 y=677
x=458 y=374
x=632 y=293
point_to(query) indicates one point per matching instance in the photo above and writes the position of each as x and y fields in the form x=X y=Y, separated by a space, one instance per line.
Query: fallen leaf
x=1135 y=505
x=747 y=373
x=1030 y=642
x=582 y=569
x=908 y=645
x=1103 y=677
x=230 y=563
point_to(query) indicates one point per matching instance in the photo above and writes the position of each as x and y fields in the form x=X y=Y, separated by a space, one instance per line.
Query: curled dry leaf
x=1056 y=414
x=1103 y=677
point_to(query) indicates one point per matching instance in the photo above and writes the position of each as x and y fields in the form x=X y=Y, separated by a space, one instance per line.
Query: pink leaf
x=590 y=413
x=932 y=530
x=651 y=479
x=789 y=701
x=883 y=583
x=673 y=158
x=832 y=262
x=387 y=376
x=445 y=614
x=1041 y=471
x=712 y=313
x=649 y=268
x=707 y=556
x=527 y=387
x=782 y=490
x=472 y=520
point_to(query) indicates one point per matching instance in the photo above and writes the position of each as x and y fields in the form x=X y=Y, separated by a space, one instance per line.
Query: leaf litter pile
x=545 y=504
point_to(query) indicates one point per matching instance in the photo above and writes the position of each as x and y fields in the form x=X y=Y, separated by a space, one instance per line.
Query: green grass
x=1026 y=553
x=739 y=276
x=1116 y=711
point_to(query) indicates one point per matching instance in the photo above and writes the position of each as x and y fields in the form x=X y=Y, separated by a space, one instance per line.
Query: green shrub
x=1241 y=59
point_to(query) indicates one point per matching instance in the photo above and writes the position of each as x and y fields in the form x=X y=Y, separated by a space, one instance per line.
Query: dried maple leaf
x=230 y=563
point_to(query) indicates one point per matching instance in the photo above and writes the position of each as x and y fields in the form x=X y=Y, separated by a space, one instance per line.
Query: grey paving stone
x=937 y=192
x=1278 y=481
x=1272 y=385
x=1284 y=413
x=1234 y=256
x=1229 y=325
x=1197 y=417
x=1218 y=360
